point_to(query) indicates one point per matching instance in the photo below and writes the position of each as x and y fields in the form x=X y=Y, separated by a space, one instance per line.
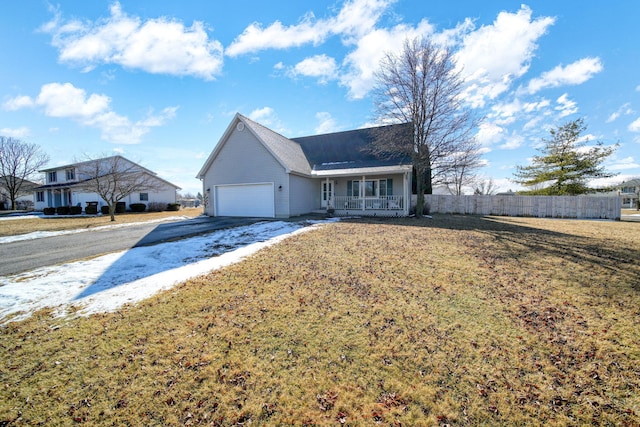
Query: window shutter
x=389 y=187
x=349 y=188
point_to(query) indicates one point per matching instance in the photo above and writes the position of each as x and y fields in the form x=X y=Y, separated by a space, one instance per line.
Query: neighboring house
x=25 y=196
x=629 y=191
x=256 y=172
x=61 y=187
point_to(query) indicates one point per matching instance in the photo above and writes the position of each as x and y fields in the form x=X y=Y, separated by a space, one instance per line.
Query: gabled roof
x=341 y=152
x=635 y=182
x=350 y=149
x=286 y=151
x=74 y=165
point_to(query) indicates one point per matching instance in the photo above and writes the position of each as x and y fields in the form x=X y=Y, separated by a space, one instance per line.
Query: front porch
x=383 y=194
x=382 y=205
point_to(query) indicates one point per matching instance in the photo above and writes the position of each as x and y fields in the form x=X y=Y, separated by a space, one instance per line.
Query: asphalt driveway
x=20 y=256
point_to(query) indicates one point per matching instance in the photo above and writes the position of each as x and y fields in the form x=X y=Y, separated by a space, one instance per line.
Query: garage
x=250 y=200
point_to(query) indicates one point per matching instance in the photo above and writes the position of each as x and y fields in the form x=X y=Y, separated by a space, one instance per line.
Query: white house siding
x=166 y=194
x=244 y=160
x=304 y=195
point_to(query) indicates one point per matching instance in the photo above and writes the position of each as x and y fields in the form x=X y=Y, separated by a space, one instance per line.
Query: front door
x=326 y=195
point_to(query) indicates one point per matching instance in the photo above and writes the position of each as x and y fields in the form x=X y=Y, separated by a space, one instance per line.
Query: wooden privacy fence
x=536 y=206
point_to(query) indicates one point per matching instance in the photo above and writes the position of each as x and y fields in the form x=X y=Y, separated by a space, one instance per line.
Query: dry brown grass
x=53 y=223
x=450 y=321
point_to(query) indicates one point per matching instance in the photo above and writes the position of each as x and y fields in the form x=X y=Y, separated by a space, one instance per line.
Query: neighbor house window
x=144 y=197
x=71 y=175
x=40 y=196
x=53 y=176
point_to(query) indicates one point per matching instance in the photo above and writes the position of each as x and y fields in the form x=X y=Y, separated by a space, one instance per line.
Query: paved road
x=27 y=255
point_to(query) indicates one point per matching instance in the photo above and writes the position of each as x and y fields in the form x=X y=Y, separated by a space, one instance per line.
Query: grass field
x=53 y=223
x=455 y=320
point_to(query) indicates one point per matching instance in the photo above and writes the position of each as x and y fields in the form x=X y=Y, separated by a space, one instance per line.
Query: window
x=40 y=196
x=71 y=175
x=53 y=176
x=372 y=188
x=144 y=197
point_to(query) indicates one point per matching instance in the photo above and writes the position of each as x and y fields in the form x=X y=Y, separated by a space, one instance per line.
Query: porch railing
x=386 y=203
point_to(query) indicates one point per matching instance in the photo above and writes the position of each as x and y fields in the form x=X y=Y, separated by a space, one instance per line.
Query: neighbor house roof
x=631 y=183
x=73 y=165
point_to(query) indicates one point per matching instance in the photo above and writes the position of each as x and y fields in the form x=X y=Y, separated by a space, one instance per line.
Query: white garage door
x=245 y=200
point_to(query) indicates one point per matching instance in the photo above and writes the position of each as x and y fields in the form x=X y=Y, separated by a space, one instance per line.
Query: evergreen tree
x=566 y=164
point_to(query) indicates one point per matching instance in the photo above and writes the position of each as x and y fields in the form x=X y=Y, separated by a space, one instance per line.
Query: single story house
x=63 y=186
x=254 y=171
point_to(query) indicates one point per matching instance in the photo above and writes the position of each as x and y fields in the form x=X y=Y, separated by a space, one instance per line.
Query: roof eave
x=370 y=171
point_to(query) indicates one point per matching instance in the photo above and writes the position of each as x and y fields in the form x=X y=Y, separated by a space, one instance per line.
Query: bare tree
x=421 y=86
x=485 y=187
x=463 y=167
x=114 y=178
x=19 y=162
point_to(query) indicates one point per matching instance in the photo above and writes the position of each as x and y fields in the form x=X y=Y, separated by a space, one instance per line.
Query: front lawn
x=455 y=320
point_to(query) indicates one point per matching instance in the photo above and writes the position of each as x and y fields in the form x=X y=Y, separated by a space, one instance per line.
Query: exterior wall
x=340 y=187
x=244 y=160
x=304 y=195
x=167 y=194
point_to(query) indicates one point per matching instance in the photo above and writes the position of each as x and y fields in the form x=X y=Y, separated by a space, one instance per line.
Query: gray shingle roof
x=350 y=149
x=287 y=151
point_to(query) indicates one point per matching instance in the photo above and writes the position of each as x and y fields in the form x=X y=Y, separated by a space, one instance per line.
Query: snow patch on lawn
x=108 y=282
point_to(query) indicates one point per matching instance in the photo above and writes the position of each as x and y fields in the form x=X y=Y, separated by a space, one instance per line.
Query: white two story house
x=629 y=191
x=62 y=186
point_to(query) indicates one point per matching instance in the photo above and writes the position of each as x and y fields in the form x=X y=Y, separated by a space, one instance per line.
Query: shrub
x=121 y=207
x=173 y=207
x=104 y=210
x=75 y=210
x=156 y=207
x=91 y=210
x=62 y=210
x=49 y=211
x=137 y=207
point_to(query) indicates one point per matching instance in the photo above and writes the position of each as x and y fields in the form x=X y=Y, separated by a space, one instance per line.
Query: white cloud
x=635 y=125
x=494 y=55
x=327 y=123
x=267 y=116
x=489 y=133
x=362 y=63
x=322 y=67
x=624 y=110
x=565 y=106
x=573 y=74
x=623 y=164
x=17 y=103
x=20 y=132
x=63 y=100
x=355 y=18
x=160 y=46
x=513 y=141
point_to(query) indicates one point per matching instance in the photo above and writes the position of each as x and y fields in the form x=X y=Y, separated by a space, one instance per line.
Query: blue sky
x=159 y=82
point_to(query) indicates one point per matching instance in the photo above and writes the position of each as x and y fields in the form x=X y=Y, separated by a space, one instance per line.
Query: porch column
x=326 y=193
x=362 y=193
x=406 y=184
